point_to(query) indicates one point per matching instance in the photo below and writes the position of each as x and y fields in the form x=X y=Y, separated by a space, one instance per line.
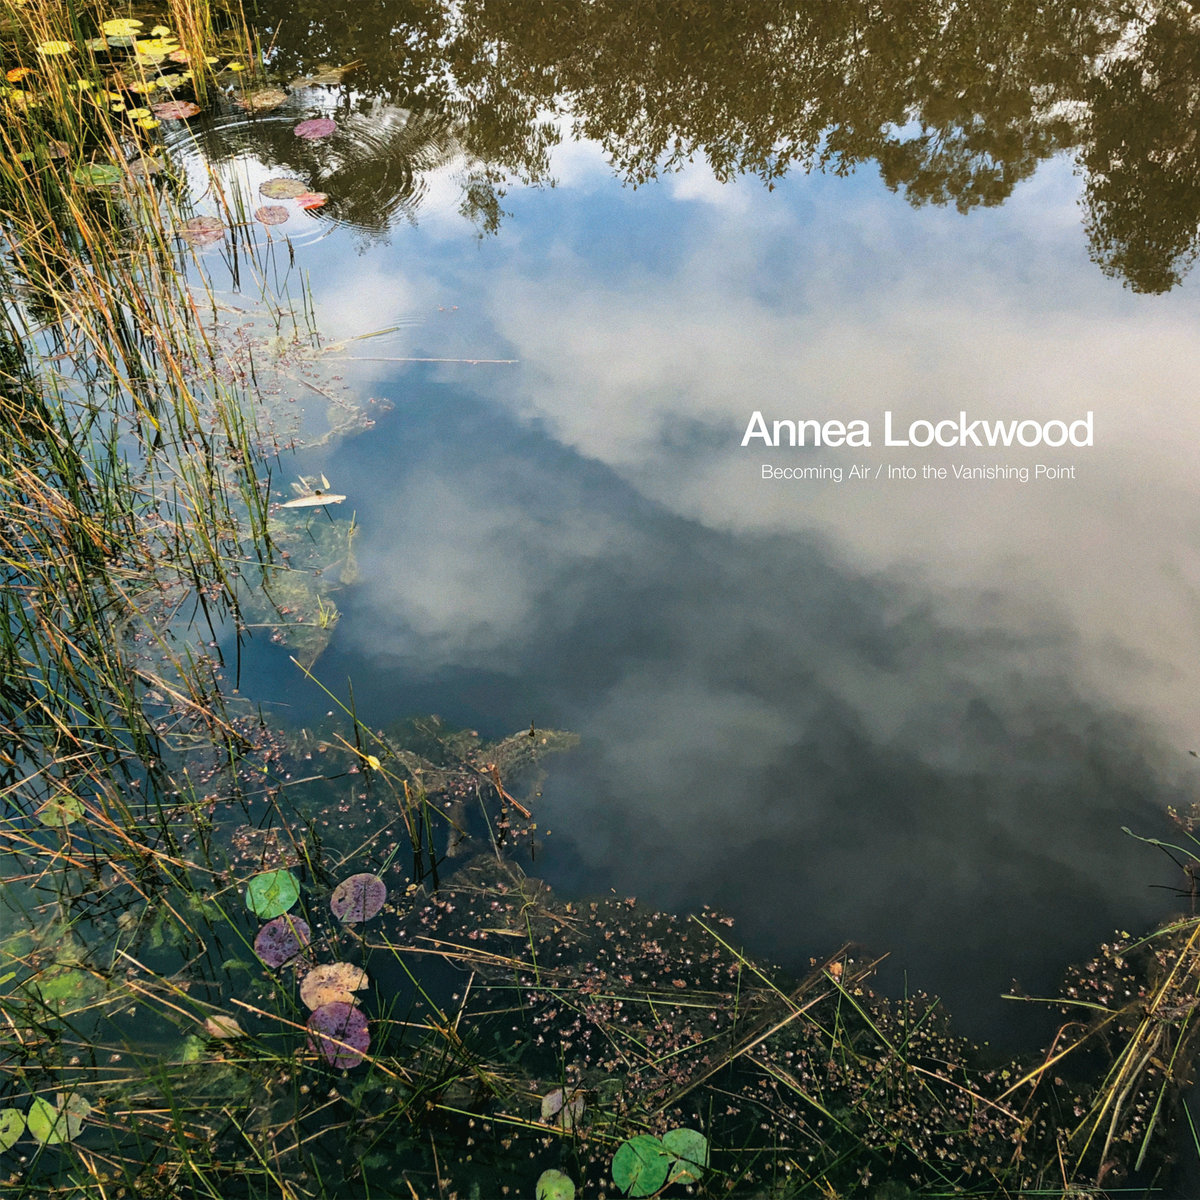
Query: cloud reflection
x=916 y=716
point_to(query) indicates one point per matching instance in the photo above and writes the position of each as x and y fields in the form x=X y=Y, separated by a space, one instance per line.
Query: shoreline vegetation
x=238 y=959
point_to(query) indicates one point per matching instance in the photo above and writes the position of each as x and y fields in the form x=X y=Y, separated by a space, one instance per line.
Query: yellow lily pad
x=121 y=26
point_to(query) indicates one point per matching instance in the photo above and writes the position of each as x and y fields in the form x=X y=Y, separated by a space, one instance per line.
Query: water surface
x=914 y=714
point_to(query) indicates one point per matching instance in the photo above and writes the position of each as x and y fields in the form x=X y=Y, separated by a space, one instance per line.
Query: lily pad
x=263 y=99
x=358 y=898
x=272 y=893
x=97 y=174
x=223 y=1027
x=339 y=1033
x=60 y=811
x=331 y=982
x=12 y=1125
x=51 y=1124
x=312 y=199
x=175 y=110
x=554 y=1185
x=202 y=231
x=52 y=48
x=121 y=26
x=283 y=189
x=640 y=1165
x=315 y=127
x=564 y=1110
x=281 y=940
x=271 y=214
x=688 y=1149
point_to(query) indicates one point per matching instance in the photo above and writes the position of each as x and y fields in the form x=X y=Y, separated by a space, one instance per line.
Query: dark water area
x=913 y=713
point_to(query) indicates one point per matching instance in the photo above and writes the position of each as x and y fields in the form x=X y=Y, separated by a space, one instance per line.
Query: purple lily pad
x=315 y=127
x=271 y=214
x=358 y=898
x=281 y=940
x=338 y=1032
x=202 y=231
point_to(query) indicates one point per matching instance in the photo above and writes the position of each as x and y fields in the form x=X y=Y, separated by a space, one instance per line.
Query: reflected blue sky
x=914 y=715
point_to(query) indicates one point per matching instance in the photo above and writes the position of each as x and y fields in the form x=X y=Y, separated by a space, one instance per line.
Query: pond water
x=886 y=702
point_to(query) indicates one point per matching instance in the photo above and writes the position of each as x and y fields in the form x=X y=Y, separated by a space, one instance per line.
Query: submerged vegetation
x=242 y=960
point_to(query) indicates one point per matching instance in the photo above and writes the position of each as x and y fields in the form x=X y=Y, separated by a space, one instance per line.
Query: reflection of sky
x=913 y=715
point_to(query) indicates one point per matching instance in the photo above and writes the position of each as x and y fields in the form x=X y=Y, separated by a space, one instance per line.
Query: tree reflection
x=954 y=103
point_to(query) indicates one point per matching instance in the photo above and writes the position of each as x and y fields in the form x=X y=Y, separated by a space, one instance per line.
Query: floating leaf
x=223 y=1027
x=15 y=76
x=374 y=763
x=311 y=199
x=236 y=66
x=175 y=110
x=313 y=501
x=563 y=1110
x=12 y=1125
x=315 y=127
x=121 y=26
x=324 y=74
x=202 y=231
x=61 y=810
x=98 y=174
x=51 y=1124
x=554 y=1185
x=272 y=893
x=640 y=1165
x=52 y=48
x=263 y=99
x=331 y=982
x=271 y=214
x=157 y=45
x=359 y=897
x=333 y=1024
x=281 y=940
x=283 y=189
x=688 y=1149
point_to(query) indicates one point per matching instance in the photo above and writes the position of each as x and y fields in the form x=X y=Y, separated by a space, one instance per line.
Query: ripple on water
x=375 y=169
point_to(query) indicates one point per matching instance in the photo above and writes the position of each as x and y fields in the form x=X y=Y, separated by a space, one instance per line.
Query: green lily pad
x=283 y=189
x=272 y=893
x=640 y=1165
x=688 y=1149
x=12 y=1125
x=60 y=811
x=51 y=1124
x=554 y=1185
x=97 y=174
